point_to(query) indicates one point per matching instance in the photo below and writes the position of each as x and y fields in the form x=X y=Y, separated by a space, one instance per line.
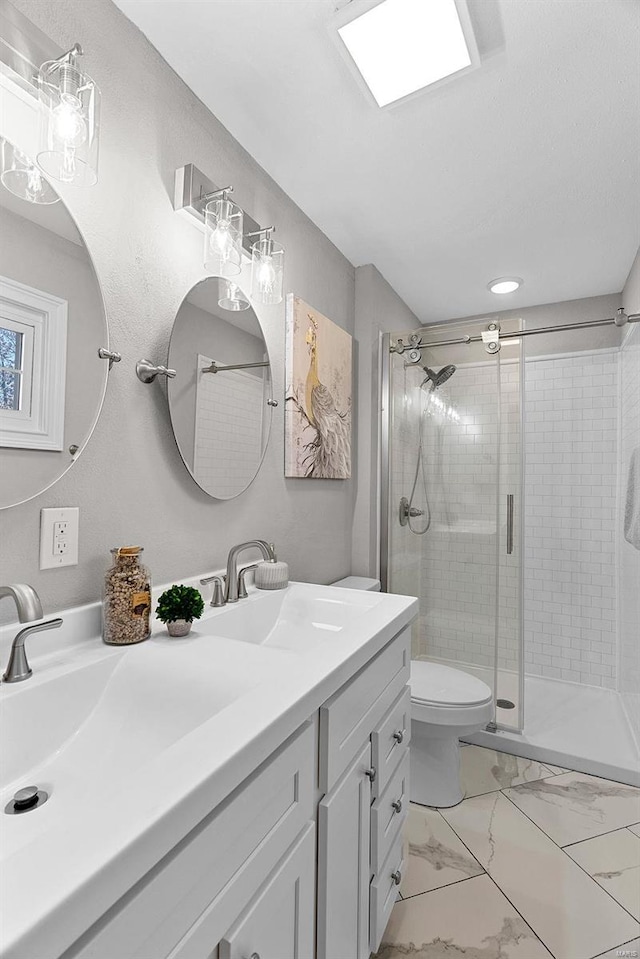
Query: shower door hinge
x=491 y=727
x=491 y=338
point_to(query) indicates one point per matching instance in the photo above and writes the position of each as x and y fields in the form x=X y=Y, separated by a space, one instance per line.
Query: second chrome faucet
x=233 y=587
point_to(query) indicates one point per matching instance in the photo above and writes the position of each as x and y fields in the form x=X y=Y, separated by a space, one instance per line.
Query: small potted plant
x=178 y=607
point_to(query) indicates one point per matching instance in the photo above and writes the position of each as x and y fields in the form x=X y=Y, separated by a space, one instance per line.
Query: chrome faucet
x=26 y=599
x=231 y=591
x=29 y=609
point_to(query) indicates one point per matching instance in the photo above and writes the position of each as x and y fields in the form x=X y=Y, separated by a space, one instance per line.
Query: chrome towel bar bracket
x=147 y=372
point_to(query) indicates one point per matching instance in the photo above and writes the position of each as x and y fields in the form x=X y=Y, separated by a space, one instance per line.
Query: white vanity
x=235 y=794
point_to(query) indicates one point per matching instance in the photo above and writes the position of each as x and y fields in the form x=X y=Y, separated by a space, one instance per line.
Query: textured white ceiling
x=527 y=166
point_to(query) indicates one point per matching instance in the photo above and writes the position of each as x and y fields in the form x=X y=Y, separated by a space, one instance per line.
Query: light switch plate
x=59 y=527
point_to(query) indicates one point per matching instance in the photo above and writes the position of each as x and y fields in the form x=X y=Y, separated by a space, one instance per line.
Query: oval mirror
x=52 y=323
x=220 y=399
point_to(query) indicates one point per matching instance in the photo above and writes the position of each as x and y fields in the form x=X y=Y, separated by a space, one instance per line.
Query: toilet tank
x=359 y=582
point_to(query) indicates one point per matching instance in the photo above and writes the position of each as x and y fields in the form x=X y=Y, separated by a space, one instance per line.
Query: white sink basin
x=297 y=618
x=82 y=731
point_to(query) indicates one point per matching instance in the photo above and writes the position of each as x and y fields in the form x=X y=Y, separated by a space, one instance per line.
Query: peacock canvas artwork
x=319 y=395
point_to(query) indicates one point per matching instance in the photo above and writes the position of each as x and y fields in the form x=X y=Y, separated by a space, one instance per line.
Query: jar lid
x=127 y=550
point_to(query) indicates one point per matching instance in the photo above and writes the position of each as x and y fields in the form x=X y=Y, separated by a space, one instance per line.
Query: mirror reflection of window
x=10 y=369
x=52 y=324
x=34 y=327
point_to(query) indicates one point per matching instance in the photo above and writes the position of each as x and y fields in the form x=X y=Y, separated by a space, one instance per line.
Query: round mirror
x=220 y=399
x=52 y=323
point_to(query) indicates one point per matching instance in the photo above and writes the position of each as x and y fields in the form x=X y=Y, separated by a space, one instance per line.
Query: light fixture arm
x=214 y=194
x=264 y=234
x=265 y=231
x=70 y=56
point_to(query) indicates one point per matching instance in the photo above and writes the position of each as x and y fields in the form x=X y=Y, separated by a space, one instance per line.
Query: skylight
x=401 y=46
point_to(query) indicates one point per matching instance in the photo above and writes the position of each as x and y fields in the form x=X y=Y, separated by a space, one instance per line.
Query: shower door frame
x=384 y=508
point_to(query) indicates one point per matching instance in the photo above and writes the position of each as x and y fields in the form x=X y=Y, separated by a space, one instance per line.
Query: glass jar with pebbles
x=126 y=602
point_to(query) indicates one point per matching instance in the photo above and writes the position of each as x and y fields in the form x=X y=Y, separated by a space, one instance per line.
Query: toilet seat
x=445 y=696
x=441 y=685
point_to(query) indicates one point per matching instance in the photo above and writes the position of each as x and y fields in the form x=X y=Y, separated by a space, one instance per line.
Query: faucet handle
x=242 y=585
x=218 y=597
x=18 y=668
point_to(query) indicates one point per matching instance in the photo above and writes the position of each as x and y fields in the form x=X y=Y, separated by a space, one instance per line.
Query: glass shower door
x=454 y=503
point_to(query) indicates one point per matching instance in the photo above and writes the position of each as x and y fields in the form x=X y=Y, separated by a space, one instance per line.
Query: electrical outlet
x=59 y=529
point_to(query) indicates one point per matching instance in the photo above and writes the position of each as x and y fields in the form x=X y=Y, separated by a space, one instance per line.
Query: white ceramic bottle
x=272 y=574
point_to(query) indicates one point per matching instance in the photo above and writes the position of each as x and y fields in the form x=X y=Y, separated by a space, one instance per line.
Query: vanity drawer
x=391 y=738
x=388 y=813
x=383 y=893
x=350 y=716
x=185 y=904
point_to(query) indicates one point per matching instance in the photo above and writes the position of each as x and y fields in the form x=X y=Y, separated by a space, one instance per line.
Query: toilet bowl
x=446 y=703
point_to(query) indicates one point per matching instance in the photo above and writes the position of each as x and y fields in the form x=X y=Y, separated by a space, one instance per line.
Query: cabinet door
x=343 y=864
x=279 y=922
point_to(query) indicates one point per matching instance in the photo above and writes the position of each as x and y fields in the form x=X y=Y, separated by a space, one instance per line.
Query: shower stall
x=504 y=481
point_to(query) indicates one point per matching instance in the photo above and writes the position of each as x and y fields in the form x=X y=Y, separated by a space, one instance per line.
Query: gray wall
x=130 y=483
x=379 y=309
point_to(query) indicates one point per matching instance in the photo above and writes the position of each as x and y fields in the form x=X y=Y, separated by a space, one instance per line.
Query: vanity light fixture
x=70 y=120
x=229 y=232
x=267 y=268
x=20 y=176
x=233 y=298
x=223 y=226
x=505 y=284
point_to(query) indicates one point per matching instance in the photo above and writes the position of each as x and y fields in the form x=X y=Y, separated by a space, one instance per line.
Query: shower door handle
x=509 y=523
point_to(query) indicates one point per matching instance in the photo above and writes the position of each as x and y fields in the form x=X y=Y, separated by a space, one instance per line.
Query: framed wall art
x=318 y=403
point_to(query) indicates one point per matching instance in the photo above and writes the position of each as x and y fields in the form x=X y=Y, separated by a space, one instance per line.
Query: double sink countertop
x=136 y=745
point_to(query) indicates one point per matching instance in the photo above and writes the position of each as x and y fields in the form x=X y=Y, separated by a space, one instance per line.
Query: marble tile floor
x=536 y=861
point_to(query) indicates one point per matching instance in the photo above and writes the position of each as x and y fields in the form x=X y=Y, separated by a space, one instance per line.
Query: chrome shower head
x=437 y=379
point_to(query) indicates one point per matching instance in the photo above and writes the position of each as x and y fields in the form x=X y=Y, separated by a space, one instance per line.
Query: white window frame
x=42 y=317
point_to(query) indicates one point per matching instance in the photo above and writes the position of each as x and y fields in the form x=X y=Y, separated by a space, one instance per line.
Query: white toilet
x=446 y=703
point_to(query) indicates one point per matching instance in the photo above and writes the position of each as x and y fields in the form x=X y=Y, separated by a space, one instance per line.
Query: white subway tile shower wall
x=629 y=652
x=570 y=501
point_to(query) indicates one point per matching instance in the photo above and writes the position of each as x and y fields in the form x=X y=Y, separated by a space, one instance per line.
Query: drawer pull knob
x=397 y=805
x=396 y=876
x=399 y=736
x=371 y=773
x=254 y=955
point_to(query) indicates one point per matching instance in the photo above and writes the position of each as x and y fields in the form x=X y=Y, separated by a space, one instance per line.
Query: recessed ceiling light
x=401 y=46
x=505 y=284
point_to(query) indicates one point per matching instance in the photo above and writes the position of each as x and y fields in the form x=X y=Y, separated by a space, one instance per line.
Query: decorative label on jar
x=141 y=603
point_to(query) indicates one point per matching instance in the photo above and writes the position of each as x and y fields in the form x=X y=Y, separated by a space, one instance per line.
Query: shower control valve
x=405 y=512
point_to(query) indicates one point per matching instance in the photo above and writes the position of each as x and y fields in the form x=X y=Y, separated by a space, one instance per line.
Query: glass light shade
x=223 y=225
x=233 y=298
x=69 y=124
x=267 y=271
x=20 y=175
